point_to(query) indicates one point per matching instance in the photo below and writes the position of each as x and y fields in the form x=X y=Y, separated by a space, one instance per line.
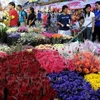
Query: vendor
x=64 y=22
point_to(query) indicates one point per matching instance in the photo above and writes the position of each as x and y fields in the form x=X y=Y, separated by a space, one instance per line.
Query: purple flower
x=97 y=51
x=15 y=35
x=71 y=85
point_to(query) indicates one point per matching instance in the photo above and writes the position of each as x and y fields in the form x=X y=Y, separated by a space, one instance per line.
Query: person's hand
x=62 y=25
x=68 y=25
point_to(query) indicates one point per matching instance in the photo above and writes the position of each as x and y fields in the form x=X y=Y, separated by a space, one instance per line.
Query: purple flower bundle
x=14 y=35
x=71 y=85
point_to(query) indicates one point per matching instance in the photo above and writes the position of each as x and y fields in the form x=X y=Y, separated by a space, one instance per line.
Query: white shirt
x=88 y=19
x=77 y=25
x=1 y=14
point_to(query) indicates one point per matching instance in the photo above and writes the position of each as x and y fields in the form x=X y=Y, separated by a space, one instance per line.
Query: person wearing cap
x=64 y=22
x=13 y=15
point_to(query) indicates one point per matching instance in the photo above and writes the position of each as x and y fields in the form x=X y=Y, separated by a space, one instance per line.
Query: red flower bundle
x=50 y=60
x=23 y=78
x=3 y=54
x=70 y=65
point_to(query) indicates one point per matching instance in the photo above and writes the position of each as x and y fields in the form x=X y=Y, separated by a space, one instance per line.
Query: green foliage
x=2 y=30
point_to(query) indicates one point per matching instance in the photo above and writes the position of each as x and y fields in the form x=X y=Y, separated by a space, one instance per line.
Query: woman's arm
x=30 y=22
x=93 y=24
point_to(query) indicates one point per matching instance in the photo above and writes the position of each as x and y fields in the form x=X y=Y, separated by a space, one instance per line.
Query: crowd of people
x=89 y=19
x=62 y=22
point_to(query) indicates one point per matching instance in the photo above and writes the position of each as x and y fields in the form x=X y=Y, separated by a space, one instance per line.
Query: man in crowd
x=39 y=16
x=22 y=16
x=97 y=22
x=64 y=22
x=13 y=15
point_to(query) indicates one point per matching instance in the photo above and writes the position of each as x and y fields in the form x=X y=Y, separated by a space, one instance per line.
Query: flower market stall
x=34 y=35
x=51 y=71
x=38 y=65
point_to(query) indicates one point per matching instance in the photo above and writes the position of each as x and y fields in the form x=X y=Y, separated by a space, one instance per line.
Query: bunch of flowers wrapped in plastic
x=68 y=50
x=12 y=30
x=44 y=47
x=87 y=62
x=27 y=37
x=50 y=60
x=14 y=35
x=49 y=46
x=93 y=47
x=94 y=80
x=22 y=78
x=2 y=54
x=33 y=39
x=70 y=65
x=72 y=86
x=4 y=48
x=57 y=38
x=22 y=29
x=48 y=35
x=58 y=46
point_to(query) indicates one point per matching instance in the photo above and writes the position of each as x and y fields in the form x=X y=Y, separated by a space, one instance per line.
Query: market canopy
x=73 y=4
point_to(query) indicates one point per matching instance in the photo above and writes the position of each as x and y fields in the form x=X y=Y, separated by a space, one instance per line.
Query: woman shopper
x=88 y=18
x=97 y=22
x=31 y=17
x=64 y=22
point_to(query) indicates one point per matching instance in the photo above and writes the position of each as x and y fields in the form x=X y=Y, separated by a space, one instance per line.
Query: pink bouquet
x=50 y=60
x=22 y=29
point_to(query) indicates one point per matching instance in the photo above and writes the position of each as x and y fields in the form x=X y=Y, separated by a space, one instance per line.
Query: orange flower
x=79 y=69
x=94 y=70
x=56 y=35
x=87 y=62
x=78 y=63
x=85 y=70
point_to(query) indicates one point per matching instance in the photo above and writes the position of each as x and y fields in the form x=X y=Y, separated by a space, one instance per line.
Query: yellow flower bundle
x=94 y=80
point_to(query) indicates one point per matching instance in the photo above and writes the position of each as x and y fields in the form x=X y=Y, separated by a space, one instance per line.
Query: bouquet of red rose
x=22 y=78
